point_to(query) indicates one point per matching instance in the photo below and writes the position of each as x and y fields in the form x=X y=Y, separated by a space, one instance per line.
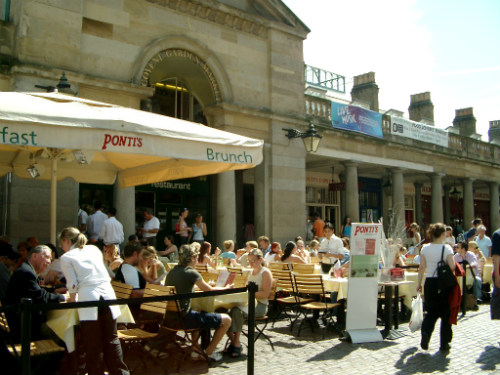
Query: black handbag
x=446 y=278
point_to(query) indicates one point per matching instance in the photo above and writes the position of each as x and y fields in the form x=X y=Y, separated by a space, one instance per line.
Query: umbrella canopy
x=93 y=142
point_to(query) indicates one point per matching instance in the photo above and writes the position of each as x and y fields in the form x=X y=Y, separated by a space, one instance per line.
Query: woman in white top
x=264 y=279
x=435 y=300
x=289 y=255
x=416 y=238
x=275 y=254
x=87 y=277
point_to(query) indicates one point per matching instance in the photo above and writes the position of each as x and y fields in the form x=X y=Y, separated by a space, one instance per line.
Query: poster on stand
x=362 y=294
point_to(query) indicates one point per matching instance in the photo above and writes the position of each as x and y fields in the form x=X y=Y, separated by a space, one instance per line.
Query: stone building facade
x=238 y=66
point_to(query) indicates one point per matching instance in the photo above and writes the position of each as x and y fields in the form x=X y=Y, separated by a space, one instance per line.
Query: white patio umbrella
x=54 y=136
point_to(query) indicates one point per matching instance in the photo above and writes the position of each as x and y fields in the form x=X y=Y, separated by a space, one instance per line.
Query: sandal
x=229 y=349
x=236 y=351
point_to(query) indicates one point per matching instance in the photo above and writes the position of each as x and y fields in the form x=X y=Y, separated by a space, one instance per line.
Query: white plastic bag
x=417 y=314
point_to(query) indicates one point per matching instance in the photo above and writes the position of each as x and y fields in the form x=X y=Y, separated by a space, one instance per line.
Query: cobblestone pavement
x=475 y=350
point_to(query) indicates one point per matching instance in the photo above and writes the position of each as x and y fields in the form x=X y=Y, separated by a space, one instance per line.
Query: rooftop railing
x=466 y=147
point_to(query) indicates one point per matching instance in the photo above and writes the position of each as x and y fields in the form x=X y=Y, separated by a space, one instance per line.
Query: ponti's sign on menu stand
x=361 y=323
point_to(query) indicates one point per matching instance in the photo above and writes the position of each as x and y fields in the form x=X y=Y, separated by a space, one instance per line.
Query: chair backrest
x=240 y=281
x=314 y=260
x=201 y=267
x=226 y=261
x=154 y=290
x=284 y=280
x=122 y=290
x=4 y=325
x=303 y=268
x=209 y=276
x=308 y=284
x=278 y=266
x=236 y=270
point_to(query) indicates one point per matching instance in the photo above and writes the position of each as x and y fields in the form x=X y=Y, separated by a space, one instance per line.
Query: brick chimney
x=465 y=121
x=421 y=108
x=494 y=132
x=366 y=90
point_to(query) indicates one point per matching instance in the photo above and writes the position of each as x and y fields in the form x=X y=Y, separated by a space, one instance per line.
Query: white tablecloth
x=62 y=322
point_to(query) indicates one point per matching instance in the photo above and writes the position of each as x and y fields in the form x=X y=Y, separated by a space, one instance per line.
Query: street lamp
x=455 y=194
x=311 y=137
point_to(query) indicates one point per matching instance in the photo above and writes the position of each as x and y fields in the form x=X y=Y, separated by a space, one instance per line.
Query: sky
x=448 y=47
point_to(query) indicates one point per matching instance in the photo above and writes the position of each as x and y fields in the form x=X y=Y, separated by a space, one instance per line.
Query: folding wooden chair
x=122 y=290
x=137 y=337
x=278 y=266
x=201 y=268
x=289 y=298
x=303 y=268
x=41 y=350
x=185 y=339
x=312 y=285
x=209 y=276
x=236 y=270
x=240 y=281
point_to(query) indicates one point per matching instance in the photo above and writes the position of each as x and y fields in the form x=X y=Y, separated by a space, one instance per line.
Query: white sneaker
x=215 y=356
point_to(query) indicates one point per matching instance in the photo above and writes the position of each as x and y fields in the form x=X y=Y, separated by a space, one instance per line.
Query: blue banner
x=356 y=119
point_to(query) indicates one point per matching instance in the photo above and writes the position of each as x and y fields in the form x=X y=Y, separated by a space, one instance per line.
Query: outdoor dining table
x=63 y=322
x=225 y=301
x=391 y=302
x=488 y=273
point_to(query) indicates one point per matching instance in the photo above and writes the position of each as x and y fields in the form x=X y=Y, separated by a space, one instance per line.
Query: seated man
x=184 y=277
x=24 y=283
x=127 y=272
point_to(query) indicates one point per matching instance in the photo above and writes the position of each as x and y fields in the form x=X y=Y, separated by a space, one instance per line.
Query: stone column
x=351 y=191
x=398 y=200
x=446 y=190
x=494 y=207
x=468 y=202
x=262 y=197
x=124 y=201
x=226 y=208
x=418 y=204
x=437 y=198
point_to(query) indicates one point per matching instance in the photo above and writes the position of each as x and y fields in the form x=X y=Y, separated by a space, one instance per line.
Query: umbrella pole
x=53 y=200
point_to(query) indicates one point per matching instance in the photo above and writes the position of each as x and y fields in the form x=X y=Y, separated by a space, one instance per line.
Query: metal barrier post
x=252 y=289
x=25 y=336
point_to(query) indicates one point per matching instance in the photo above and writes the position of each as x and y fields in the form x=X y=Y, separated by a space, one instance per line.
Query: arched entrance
x=184 y=85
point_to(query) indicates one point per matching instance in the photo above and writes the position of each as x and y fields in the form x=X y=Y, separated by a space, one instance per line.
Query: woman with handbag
x=434 y=258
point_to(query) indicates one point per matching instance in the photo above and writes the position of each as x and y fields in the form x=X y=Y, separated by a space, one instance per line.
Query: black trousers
x=437 y=306
x=102 y=346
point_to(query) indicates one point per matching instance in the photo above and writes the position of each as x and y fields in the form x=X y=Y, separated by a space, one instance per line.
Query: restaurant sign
x=418 y=131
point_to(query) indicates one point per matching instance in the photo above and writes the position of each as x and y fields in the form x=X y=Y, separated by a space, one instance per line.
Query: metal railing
x=27 y=308
x=324 y=79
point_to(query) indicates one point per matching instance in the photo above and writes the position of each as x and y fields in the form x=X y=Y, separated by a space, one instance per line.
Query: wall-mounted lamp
x=455 y=194
x=387 y=187
x=63 y=86
x=311 y=137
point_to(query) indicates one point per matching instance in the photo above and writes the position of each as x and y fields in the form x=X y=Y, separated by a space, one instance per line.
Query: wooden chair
x=240 y=281
x=137 y=337
x=226 y=262
x=209 y=276
x=201 y=268
x=261 y=322
x=122 y=290
x=303 y=268
x=278 y=266
x=314 y=260
x=42 y=350
x=312 y=285
x=236 y=270
x=185 y=339
x=289 y=299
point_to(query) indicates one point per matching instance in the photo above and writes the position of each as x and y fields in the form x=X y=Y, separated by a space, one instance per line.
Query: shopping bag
x=417 y=314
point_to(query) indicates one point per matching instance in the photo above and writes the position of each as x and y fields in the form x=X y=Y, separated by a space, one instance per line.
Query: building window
x=4 y=10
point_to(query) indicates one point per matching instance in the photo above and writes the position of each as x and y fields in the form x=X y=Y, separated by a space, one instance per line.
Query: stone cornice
x=227 y=16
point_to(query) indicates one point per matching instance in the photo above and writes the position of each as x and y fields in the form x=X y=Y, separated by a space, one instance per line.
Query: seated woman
x=112 y=259
x=302 y=252
x=289 y=255
x=150 y=267
x=262 y=277
x=204 y=256
x=171 y=252
x=229 y=253
x=481 y=260
x=399 y=257
x=313 y=248
x=275 y=254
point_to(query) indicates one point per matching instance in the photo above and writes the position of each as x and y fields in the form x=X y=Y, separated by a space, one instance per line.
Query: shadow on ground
x=490 y=357
x=412 y=361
